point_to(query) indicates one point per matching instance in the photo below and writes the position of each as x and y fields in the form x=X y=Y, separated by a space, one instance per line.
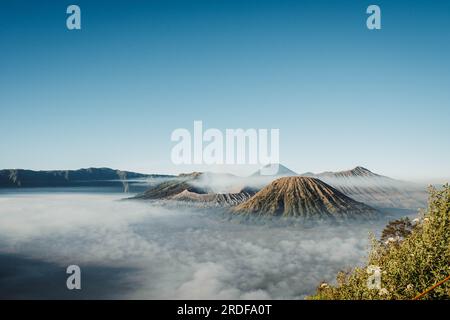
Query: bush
x=397 y=231
x=418 y=259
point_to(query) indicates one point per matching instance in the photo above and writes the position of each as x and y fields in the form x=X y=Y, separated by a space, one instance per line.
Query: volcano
x=167 y=189
x=283 y=171
x=304 y=197
x=200 y=189
x=376 y=190
x=355 y=172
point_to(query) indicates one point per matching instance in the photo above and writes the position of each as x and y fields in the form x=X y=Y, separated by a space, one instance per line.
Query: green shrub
x=397 y=230
x=411 y=263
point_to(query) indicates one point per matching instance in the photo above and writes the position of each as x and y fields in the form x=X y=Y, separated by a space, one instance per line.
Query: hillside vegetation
x=412 y=257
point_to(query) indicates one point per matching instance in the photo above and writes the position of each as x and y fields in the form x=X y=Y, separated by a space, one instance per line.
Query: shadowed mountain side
x=199 y=189
x=359 y=184
x=171 y=188
x=20 y=178
x=304 y=197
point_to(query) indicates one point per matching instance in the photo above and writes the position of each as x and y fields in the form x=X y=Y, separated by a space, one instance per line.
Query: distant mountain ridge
x=355 y=172
x=376 y=190
x=358 y=183
x=22 y=178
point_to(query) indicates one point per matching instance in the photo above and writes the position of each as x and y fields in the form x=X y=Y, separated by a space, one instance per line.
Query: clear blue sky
x=341 y=95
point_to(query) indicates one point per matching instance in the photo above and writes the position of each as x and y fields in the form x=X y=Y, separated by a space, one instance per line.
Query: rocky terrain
x=335 y=194
x=172 y=187
x=326 y=193
x=303 y=197
x=200 y=189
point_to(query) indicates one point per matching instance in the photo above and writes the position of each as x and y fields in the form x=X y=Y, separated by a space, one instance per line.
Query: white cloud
x=177 y=253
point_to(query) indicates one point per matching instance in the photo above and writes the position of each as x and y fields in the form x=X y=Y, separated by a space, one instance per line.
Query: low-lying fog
x=135 y=249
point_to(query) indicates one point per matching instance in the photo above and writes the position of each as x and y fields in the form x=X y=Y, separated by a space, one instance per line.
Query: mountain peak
x=362 y=171
x=282 y=170
x=303 y=197
x=355 y=172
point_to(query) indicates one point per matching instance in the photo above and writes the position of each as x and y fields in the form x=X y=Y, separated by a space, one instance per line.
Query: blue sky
x=112 y=93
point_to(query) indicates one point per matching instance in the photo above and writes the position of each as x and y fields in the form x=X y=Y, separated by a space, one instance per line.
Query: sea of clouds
x=176 y=253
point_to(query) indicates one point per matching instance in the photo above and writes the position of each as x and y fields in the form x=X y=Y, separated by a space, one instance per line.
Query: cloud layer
x=176 y=253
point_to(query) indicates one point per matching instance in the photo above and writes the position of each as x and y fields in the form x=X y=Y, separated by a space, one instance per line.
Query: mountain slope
x=355 y=172
x=303 y=197
x=376 y=190
x=200 y=189
x=212 y=199
x=282 y=171
x=172 y=187
x=15 y=178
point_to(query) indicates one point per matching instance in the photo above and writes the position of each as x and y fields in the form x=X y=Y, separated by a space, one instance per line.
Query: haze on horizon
x=111 y=94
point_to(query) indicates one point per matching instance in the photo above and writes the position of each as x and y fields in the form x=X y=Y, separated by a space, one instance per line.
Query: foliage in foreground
x=412 y=257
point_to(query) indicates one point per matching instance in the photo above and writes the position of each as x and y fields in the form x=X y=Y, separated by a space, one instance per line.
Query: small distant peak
x=308 y=174
x=355 y=172
x=194 y=174
x=282 y=170
x=362 y=171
